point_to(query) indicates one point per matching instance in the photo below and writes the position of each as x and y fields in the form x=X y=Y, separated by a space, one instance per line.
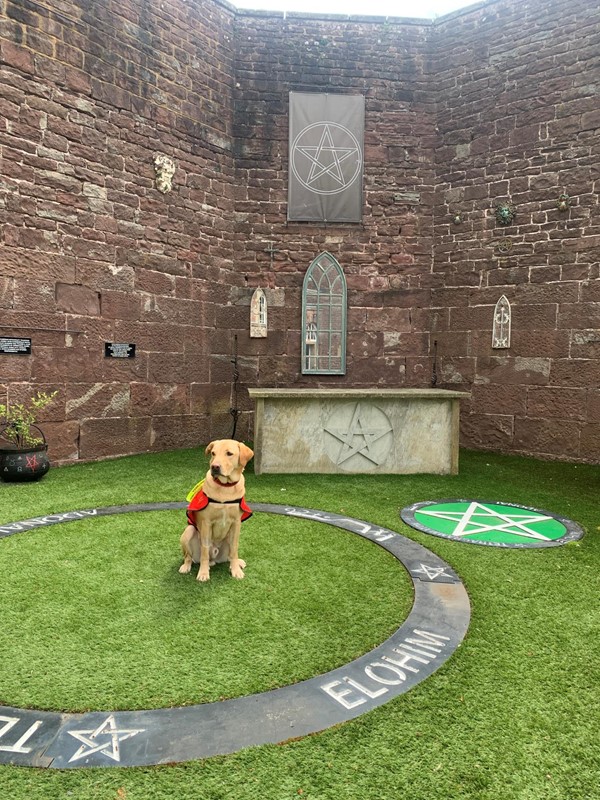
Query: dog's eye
x=229 y=454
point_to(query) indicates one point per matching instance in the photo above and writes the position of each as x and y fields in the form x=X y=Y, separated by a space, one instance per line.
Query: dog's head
x=228 y=458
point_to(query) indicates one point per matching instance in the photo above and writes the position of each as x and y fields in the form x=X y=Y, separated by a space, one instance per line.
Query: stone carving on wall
x=258 y=315
x=164 y=167
x=505 y=213
x=501 y=330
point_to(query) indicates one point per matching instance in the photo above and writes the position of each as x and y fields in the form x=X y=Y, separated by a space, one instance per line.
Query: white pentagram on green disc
x=491 y=523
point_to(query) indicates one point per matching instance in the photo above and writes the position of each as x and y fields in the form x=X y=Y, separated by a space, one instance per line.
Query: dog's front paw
x=236 y=568
x=203 y=575
x=185 y=568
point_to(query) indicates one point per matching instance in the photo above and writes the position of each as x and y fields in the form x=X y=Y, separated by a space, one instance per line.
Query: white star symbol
x=328 y=164
x=431 y=572
x=111 y=736
x=476 y=520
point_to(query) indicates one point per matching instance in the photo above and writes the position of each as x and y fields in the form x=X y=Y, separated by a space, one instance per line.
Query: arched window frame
x=324 y=314
x=262 y=309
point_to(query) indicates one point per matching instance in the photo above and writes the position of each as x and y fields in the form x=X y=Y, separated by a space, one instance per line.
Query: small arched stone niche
x=501 y=329
x=258 y=315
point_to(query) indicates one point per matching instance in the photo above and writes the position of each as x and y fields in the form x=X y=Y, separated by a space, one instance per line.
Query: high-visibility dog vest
x=200 y=500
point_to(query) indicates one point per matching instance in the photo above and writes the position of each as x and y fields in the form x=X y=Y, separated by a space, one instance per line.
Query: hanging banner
x=326 y=157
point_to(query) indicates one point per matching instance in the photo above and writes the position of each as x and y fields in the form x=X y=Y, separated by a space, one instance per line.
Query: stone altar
x=378 y=431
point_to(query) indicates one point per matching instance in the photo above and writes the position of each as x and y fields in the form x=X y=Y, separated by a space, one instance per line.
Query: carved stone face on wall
x=164 y=167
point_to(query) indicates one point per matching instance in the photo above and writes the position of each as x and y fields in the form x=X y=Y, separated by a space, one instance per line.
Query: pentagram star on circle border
x=471 y=523
x=431 y=572
x=335 y=156
x=106 y=728
x=355 y=431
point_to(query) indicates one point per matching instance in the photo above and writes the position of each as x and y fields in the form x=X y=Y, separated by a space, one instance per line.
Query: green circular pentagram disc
x=491 y=523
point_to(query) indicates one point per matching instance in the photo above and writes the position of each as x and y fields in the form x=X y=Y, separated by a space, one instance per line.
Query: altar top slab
x=445 y=394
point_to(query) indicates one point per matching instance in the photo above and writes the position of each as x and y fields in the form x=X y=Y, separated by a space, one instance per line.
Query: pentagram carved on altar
x=359 y=437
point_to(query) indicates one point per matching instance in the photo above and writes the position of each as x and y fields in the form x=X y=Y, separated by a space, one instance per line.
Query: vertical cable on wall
x=233 y=399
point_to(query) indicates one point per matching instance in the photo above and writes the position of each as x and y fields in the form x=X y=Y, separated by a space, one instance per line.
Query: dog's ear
x=245 y=454
x=209 y=447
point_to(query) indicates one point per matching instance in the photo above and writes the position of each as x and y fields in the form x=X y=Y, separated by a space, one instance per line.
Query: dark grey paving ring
x=434 y=628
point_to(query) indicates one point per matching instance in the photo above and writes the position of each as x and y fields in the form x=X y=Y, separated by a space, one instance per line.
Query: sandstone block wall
x=518 y=114
x=387 y=258
x=90 y=250
x=493 y=103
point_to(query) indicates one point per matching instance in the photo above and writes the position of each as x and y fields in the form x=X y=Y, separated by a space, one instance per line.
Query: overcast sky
x=392 y=8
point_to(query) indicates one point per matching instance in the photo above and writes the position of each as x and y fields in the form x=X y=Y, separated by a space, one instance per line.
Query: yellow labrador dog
x=217 y=511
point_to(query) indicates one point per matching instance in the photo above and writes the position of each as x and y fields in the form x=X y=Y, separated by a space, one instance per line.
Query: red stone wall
x=519 y=118
x=493 y=103
x=387 y=258
x=90 y=92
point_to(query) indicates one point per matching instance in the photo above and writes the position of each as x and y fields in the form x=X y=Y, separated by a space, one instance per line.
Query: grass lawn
x=94 y=615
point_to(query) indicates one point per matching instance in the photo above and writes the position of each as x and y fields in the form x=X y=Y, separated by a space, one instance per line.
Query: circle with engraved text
x=434 y=628
x=493 y=523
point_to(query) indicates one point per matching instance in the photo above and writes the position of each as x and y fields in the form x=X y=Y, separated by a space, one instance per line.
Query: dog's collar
x=226 y=485
x=223 y=502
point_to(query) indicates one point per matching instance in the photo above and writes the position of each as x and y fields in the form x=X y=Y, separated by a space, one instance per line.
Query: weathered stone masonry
x=497 y=102
x=519 y=117
x=91 y=91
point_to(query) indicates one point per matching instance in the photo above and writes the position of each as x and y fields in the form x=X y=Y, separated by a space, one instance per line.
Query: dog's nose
x=215 y=469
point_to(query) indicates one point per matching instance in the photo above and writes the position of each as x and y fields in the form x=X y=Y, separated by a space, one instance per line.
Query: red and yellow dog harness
x=200 y=500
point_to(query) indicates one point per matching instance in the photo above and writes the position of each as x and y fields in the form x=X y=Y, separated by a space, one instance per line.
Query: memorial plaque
x=10 y=345
x=119 y=350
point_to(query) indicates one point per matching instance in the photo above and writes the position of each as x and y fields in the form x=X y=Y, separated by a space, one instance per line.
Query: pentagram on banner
x=326 y=157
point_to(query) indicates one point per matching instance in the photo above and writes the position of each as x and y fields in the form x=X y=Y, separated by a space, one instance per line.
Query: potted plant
x=23 y=448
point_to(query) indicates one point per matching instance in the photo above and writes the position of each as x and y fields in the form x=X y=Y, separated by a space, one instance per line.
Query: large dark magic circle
x=434 y=628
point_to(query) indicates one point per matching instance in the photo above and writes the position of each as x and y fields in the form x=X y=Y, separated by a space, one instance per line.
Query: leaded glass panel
x=324 y=318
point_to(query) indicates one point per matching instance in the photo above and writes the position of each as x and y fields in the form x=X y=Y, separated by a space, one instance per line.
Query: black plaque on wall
x=11 y=345
x=119 y=350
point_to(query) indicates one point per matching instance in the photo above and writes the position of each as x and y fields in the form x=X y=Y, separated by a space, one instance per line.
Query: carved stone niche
x=164 y=168
x=501 y=329
x=258 y=315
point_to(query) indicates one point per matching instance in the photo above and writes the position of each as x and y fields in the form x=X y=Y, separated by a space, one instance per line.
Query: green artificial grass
x=513 y=714
x=314 y=598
